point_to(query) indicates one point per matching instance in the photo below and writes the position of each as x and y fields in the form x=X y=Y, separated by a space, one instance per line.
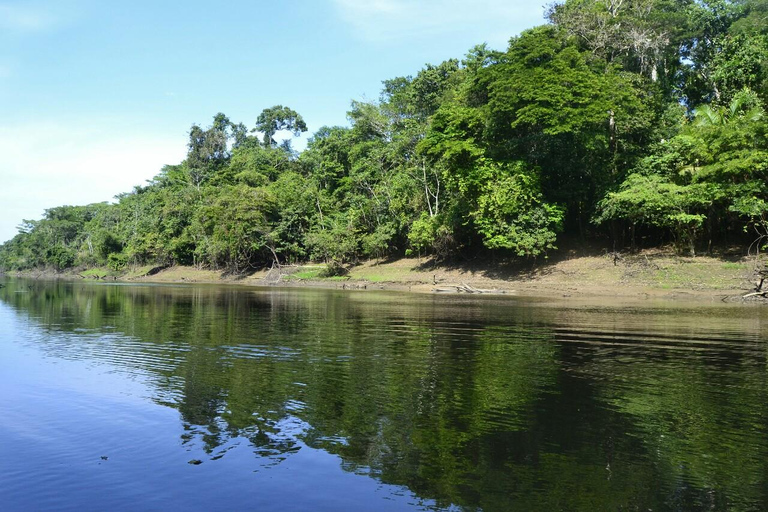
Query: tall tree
x=277 y=118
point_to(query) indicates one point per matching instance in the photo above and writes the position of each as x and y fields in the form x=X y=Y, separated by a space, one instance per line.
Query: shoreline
x=649 y=275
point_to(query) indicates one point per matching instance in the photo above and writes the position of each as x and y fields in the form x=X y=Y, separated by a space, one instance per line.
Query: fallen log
x=464 y=288
x=471 y=289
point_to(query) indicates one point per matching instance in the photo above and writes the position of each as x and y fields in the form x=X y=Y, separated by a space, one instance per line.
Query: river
x=159 y=397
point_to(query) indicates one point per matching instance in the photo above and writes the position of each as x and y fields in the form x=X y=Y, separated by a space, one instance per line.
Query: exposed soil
x=650 y=274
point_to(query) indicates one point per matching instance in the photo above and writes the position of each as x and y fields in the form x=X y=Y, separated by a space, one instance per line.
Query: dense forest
x=627 y=121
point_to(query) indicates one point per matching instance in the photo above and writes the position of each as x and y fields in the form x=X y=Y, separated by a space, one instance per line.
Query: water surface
x=289 y=399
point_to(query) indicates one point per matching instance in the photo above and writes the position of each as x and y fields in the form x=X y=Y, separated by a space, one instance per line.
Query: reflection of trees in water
x=478 y=405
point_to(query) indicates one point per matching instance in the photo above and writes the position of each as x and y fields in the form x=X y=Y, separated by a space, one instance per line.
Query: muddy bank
x=648 y=275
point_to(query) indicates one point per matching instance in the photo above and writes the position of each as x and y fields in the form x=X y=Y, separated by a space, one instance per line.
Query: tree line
x=622 y=120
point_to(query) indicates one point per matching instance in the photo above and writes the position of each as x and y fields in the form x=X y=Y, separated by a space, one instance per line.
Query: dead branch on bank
x=275 y=274
x=760 y=269
x=759 y=290
x=464 y=288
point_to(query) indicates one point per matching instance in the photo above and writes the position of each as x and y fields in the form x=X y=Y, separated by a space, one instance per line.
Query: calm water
x=323 y=400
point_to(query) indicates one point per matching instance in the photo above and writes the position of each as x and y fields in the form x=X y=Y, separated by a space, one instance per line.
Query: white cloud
x=46 y=164
x=493 y=21
x=24 y=18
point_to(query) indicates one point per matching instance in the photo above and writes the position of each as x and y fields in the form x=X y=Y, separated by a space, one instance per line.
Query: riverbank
x=649 y=274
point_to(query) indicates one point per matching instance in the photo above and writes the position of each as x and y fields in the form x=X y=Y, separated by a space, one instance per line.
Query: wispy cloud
x=25 y=18
x=392 y=20
x=50 y=164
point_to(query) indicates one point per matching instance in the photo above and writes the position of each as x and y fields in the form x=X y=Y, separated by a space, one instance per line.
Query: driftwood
x=758 y=290
x=277 y=271
x=464 y=288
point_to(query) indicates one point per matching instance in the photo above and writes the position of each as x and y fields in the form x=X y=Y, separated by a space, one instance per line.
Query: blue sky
x=96 y=96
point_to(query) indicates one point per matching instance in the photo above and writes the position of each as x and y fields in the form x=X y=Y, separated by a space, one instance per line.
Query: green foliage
x=553 y=106
x=117 y=261
x=233 y=230
x=294 y=210
x=653 y=201
x=377 y=244
x=60 y=257
x=511 y=213
x=755 y=209
x=421 y=96
x=423 y=232
x=717 y=166
x=256 y=165
x=741 y=62
x=208 y=149
x=334 y=241
x=432 y=234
